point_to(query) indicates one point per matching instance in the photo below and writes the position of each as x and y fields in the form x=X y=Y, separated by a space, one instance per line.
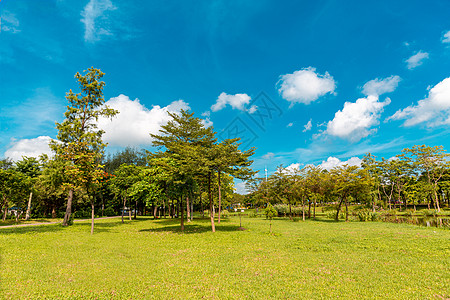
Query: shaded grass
x=152 y=259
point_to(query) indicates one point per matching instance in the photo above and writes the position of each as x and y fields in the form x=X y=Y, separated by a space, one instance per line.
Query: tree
x=430 y=161
x=79 y=140
x=270 y=212
x=29 y=166
x=188 y=145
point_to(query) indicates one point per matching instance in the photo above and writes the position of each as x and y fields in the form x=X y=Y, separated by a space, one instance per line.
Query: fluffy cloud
x=378 y=86
x=241 y=188
x=133 y=125
x=308 y=126
x=237 y=101
x=292 y=168
x=95 y=23
x=446 y=37
x=332 y=162
x=354 y=121
x=305 y=86
x=435 y=109
x=29 y=147
x=417 y=59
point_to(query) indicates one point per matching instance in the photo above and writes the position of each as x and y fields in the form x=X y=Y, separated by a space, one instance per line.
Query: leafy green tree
x=431 y=162
x=30 y=167
x=79 y=140
x=270 y=212
x=13 y=188
x=187 y=143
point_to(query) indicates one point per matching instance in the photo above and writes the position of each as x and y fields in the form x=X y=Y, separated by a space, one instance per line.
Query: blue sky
x=303 y=81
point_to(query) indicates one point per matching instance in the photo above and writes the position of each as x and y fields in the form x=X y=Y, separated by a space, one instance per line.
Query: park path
x=48 y=223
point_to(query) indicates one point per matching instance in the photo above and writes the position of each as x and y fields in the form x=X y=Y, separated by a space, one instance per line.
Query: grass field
x=145 y=259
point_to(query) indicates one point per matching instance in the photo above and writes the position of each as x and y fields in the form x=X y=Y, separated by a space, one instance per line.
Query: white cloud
x=133 y=125
x=378 y=86
x=94 y=20
x=253 y=109
x=241 y=188
x=9 y=22
x=237 y=101
x=435 y=109
x=417 y=59
x=354 y=121
x=292 y=168
x=207 y=122
x=308 y=126
x=446 y=37
x=29 y=147
x=305 y=86
x=333 y=162
x=290 y=125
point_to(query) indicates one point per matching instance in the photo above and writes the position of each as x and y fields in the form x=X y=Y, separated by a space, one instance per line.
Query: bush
x=225 y=213
x=109 y=212
x=252 y=215
x=430 y=212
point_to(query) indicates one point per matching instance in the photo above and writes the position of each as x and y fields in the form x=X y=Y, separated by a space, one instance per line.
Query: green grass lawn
x=145 y=259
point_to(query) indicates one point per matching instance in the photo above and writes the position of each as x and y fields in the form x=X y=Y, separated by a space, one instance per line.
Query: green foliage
x=270 y=212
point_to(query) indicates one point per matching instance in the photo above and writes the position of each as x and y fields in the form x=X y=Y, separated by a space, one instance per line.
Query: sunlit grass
x=153 y=259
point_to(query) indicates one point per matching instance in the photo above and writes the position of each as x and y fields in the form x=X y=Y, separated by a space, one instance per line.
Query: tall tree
x=29 y=166
x=431 y=162
x=79 y=140
x=187 y=142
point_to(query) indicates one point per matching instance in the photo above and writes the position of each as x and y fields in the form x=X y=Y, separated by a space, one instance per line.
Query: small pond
x=427 y=221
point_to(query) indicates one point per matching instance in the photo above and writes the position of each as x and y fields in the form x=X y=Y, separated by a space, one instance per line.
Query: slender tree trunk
x=53 y=211
x=437 y=200
x=182 y=213
x=68 y=209
x=123 y=209
x=338 y=210
x=192 y=208
x=103 y=202
x=309 y=209
x=18 y=216
x=303 y=209
x=290 y=210
x=92 y=215
x=5 y=211
x=346 y=210
x=135 y=209
x=164 y=207
x=314 y=211
x=220 y=197
x=28 y=213
x=188 y=210
x=155 y=208
x=129 y=212
x=211 y=208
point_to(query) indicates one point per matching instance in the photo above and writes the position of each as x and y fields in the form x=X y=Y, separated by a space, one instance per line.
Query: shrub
x=109 y=211
x=225 y=213
x=252 y=215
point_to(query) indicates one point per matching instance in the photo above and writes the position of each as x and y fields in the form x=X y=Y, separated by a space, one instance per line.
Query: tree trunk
x=68 y=209
x=28 y=214
x=211 y=208
x=314 y=211
x=220 y=197
x=192 y=208
x=53 y=211
x=290 y=210
x=164 y=207
x=346 y=210
x=437 y=201
x=123 y=209
x=309 y=209
x=103 y=202
x=182 y=213
x=303 y=209
x=5 y=211
x=155 y=208
x=188 y=209
x=338 y=210
x=92 y=215
x=135 y=209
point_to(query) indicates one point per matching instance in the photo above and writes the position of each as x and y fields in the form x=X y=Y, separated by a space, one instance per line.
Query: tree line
x=419 y=175
x=188 y=166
